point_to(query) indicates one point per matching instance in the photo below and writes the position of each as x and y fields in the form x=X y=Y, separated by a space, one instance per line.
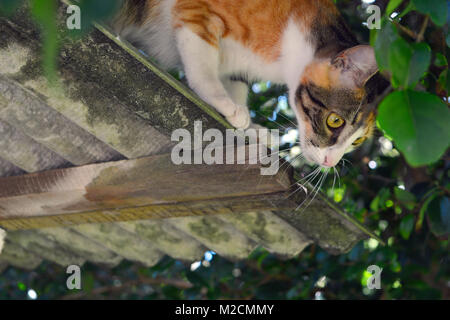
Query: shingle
x=121 y=242
x=268 y=230
x=26 y=153
x=168 y=239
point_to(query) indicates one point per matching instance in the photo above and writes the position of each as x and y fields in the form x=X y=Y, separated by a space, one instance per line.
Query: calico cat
x=304 y=44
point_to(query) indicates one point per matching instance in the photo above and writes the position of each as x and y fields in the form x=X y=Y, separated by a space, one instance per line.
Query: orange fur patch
x=257 y=24
x=323 y=75
x=320 y=74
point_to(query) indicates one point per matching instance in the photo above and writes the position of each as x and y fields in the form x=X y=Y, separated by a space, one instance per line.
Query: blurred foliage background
x=397 y=183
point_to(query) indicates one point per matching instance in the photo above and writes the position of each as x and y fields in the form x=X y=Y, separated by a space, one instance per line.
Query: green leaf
x=87 y=282
x=445 y=212
x=384 y=195
x=373 y=37
x=441 y=60
x=418 y=123
x=444 y=80
x=384 y=39
x=374 y=205
x=423 y=210
x=21 y=286
x=408 y=63
x=9 y=6
x=448 y=81
x=439 y=216
x=405 y=197
x=408 y=9
x=393 y=4
x=44 y=11
x=406 y=226
x=379 y=202
x=95 y=11
x=437 y=9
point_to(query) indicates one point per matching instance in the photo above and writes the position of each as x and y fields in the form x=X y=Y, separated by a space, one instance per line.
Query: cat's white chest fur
x=296 y=53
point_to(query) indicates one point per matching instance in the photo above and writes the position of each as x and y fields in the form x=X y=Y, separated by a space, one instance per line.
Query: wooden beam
x=150 y=187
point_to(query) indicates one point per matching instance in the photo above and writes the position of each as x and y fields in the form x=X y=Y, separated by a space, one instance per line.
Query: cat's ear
x=356 y=65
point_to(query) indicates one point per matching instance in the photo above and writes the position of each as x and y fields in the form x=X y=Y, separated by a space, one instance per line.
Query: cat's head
x=333 y=105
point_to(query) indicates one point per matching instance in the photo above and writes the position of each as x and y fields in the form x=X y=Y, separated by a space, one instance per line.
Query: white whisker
x=323 y=178
x=300 y=185
x=334 y=179
x=315 y=186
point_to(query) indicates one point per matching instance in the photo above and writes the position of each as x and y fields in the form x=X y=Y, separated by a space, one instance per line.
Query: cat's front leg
x=201 y=65
x=238 y=92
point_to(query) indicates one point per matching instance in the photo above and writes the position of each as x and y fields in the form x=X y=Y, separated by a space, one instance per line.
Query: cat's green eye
x=335 y=121
x=359 y=141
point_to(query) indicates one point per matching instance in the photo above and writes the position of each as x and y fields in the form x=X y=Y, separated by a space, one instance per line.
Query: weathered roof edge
x=188 y=93
x=177 y=85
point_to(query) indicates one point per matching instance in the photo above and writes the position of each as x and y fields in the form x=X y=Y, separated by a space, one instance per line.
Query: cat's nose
x=328 y=162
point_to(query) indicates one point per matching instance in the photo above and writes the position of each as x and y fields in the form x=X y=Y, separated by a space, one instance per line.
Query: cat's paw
x=240 y=119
